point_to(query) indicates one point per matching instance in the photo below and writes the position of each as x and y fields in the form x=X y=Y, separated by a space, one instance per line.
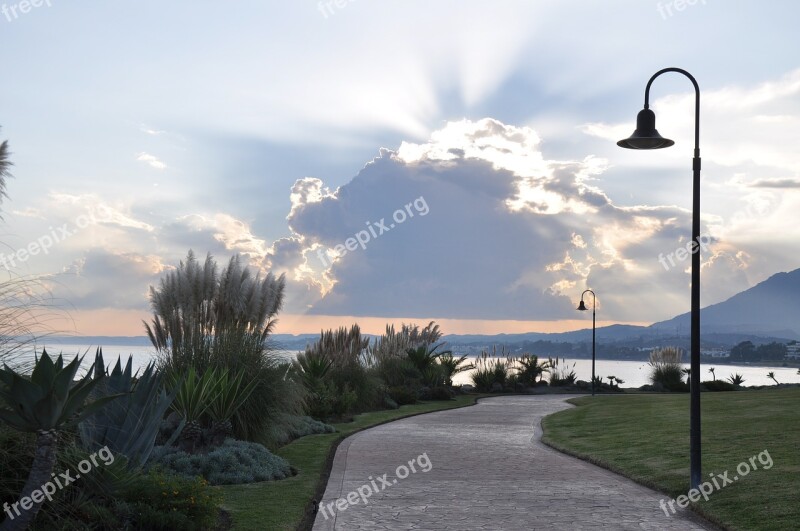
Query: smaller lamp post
x=582 y=307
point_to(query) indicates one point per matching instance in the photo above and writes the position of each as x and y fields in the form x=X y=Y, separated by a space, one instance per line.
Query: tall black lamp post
x=646 y=137
x=582 y=307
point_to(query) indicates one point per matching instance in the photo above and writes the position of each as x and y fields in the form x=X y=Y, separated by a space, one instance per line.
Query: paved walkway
x=486 y=470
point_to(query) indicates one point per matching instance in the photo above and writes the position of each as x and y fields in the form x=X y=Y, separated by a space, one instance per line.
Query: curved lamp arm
x=696 y=99
x=594 y=297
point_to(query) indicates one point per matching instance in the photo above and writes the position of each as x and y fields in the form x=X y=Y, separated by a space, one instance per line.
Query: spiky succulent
x=127 y=426
x=49 y=399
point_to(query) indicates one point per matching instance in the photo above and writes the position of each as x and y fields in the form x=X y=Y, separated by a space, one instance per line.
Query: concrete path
x=481 y=467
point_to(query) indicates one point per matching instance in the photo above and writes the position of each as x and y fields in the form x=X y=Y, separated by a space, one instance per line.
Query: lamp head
x=646 y=136
x=582 y=307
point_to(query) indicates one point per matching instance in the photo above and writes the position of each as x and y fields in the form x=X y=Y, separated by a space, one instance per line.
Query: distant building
x=715 y=353
x=793 y=352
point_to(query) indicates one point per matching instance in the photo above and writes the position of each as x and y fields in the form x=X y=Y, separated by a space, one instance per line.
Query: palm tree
x=452 y=366
x=711 y=370
x=771 y=374
x=5 y=167
x=530 y=369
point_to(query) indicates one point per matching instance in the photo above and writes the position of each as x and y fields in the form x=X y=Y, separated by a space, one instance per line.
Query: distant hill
x=769 y=311
x=771 y=307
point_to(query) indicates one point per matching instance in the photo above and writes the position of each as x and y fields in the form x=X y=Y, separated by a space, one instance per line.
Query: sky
x=399 y=161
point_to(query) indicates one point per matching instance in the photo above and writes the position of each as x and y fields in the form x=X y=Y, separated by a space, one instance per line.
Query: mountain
x=769 y=311
x=771 y=307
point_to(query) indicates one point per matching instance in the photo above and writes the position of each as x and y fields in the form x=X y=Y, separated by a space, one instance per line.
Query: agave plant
x=46 y=403
x=738 y=379
x=127 y=426
x=230 y=393
x=193 y=398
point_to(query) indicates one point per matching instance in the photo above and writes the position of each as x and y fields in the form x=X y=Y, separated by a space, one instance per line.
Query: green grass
x=282 y=505
x=646 y=437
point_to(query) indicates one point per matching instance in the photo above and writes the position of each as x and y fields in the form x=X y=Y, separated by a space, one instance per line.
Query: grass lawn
x=282 y=505
x=646 y=437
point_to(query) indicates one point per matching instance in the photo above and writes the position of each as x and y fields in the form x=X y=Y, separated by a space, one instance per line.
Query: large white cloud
x=508 y=234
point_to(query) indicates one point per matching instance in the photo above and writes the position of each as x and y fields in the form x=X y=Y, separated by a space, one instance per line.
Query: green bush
x=666 y=369
x=561 y=374
x=717 y=385
x=441 y=393
x=111 y=496
x=398 y=372
x=234 y=462
x=483 y=379
x=16 y=456
x=670 y=377
x=403 y=395
x=207 y=319
x=293 y=427
x=168 y=502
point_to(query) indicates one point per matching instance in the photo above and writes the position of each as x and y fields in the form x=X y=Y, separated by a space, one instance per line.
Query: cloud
x=776 y=183
x=509 y=234
x=767 y=111
x=101 y=279
x=152 y=160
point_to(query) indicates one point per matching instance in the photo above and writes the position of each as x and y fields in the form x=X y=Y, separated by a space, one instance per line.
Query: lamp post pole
x=582 y=307
x=646 y=137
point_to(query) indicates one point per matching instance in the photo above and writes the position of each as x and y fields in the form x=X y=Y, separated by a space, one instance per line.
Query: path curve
x=486 y=470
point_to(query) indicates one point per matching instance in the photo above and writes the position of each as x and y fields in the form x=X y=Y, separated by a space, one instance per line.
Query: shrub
x=561 y=374
x=232 y=463
x=666 y=369
x=403 y=395
x=398 y=372
x=16 y=456
x=490 y=369
x=718 y=385
x=293 y=427
x=210 y=320
x=530 y=369
x=112 y=496
x=168 y=502
x=483 y=379
x=441 y=393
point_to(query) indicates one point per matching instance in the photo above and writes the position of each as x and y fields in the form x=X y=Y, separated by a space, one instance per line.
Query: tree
x=772 y=351
x=713 y=373
x=771 y=374
x=744 y=351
